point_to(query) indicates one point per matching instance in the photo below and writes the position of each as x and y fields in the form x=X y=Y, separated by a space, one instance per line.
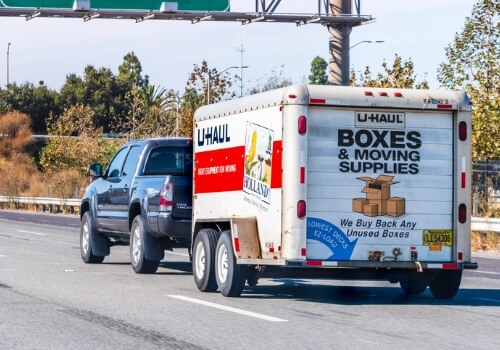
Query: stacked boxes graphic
x=378 y=199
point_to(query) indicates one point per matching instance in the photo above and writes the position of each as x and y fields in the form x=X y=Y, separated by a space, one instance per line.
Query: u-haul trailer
x=324 y=181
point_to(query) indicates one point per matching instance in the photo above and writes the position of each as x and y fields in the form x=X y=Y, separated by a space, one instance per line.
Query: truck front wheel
x=203 y=260
x=446 y=283
x=86 y=232
x=139 y=262
x=229 y=275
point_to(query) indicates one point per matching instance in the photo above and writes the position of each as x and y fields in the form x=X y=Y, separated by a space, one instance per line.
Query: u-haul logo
x=380 y=119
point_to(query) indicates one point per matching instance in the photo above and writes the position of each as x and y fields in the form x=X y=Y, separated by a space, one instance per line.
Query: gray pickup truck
x=143 y=199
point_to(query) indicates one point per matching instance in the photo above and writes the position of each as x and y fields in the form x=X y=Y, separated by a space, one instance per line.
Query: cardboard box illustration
x=370 y=210
x=358 y=204
x=395 y=206
x=378 y=199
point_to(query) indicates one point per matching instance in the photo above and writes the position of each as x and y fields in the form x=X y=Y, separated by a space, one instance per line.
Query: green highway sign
x=183 y=5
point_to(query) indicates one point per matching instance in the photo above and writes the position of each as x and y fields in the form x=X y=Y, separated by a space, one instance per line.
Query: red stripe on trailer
x=236 y=244
x=302 y=174
x=463 y=180
x=276 y=173
x=444 y=106
x=219 y=170
x=314 y=263
x=317 y=100
x=450 y=266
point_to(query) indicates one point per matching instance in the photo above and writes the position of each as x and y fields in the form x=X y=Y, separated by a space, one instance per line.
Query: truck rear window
x=169 y=161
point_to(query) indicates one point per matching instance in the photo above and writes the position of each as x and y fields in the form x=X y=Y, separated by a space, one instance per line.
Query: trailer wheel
x=86 y=232
x=139 y=262
x=204 y=260
x=229 y=275
x=413 y=286
x=446 y=283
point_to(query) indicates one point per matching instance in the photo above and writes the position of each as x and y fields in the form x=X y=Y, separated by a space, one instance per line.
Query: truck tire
x=204 y=260
x=86 y=233
x=446 y=283
x=137 y=258
x=413 y=285
x=229 y=275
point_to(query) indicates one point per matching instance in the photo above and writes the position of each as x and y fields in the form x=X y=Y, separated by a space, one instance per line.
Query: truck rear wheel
x=229 y=275
x=413 y=285
x=139 y=262
x=446 y=283
x=203 y=260
x=86 y=232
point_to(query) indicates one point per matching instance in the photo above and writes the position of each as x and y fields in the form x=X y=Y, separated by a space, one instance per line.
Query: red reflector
x=398 y=94
x=462 y=213
x=444 y=106
x=413 y=248
x=302 y=125
x=314 y=263
x=317 y=100
x=383 y=94
x=271 y=250
x=292 y=96
x=463 y=180
x=450 y=266
x=368 y=93
x=236 y=244
x=302 y=174
x=460 y=256
x=301 y=209
x=462 y=131
x=281 y=108
x=303 y=252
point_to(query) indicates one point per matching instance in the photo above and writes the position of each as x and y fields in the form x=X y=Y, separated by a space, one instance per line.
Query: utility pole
x=8 y=51
x=339 y=44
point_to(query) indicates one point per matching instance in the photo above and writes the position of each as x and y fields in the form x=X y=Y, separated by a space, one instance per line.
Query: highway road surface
x=50 y=299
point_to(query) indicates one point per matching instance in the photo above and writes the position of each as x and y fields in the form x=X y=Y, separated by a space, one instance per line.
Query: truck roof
x=344 y=96
x=164 y=141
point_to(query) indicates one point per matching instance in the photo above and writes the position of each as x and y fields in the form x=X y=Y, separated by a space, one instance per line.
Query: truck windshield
x=169 y=161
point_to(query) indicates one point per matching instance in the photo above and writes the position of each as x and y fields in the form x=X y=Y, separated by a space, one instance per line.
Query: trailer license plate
x=437 y=237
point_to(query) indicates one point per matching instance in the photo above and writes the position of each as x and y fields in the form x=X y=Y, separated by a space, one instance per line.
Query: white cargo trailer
x=340 y=182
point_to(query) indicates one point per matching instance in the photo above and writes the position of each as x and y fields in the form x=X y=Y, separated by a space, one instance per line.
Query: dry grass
x=485 y=241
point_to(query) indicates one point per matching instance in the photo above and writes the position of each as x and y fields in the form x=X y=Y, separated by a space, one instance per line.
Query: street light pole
x=8 y=51
x=368 y=42
x=210 y=77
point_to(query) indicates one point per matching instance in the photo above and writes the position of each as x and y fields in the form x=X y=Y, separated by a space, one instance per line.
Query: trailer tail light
x=460 y=256
x=462 y=213
x=303 y=252
x=166 y=197
x=302 y=125
x=368 y=93
x=398 y=94
x=292 y=96
x=384 y=94
x=462 y=131
x=301 y=209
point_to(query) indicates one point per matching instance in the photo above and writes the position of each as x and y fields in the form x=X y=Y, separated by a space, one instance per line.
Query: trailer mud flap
x=245 y=236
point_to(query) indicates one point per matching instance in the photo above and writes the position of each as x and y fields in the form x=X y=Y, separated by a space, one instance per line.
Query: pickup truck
x=143 y=199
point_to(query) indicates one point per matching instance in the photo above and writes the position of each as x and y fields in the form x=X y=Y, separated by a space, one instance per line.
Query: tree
x=15 y=133
x=130 y=72
x=400 y=75
x=474 y=66
x=77 y=142
x=195 y=94
x=38 y=102
x=275 y=80
x=318 y=71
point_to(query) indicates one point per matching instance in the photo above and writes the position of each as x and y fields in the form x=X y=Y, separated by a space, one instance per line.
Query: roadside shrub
x=15 y=133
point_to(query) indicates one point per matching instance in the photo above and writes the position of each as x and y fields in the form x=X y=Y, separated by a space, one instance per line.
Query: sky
x=45 y=49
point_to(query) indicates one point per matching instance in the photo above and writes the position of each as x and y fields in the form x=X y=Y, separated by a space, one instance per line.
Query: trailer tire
x=140 y=264
x=229 y=275
x=446 y=283
x=86 y=233
x=413 y=286
x=204 y=260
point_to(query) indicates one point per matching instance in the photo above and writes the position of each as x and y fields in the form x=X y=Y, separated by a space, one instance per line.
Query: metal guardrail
x=53 y=204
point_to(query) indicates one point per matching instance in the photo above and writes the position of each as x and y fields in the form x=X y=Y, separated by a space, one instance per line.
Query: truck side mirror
x=95 y=170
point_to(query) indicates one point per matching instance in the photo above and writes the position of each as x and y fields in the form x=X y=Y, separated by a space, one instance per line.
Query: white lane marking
x=488 y=299
x=489 y=272
x=228 y=308
x=33 y=233
x=181 y=254
x=69 y=270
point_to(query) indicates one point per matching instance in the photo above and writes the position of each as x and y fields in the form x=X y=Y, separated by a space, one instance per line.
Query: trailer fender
x=245 y=236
